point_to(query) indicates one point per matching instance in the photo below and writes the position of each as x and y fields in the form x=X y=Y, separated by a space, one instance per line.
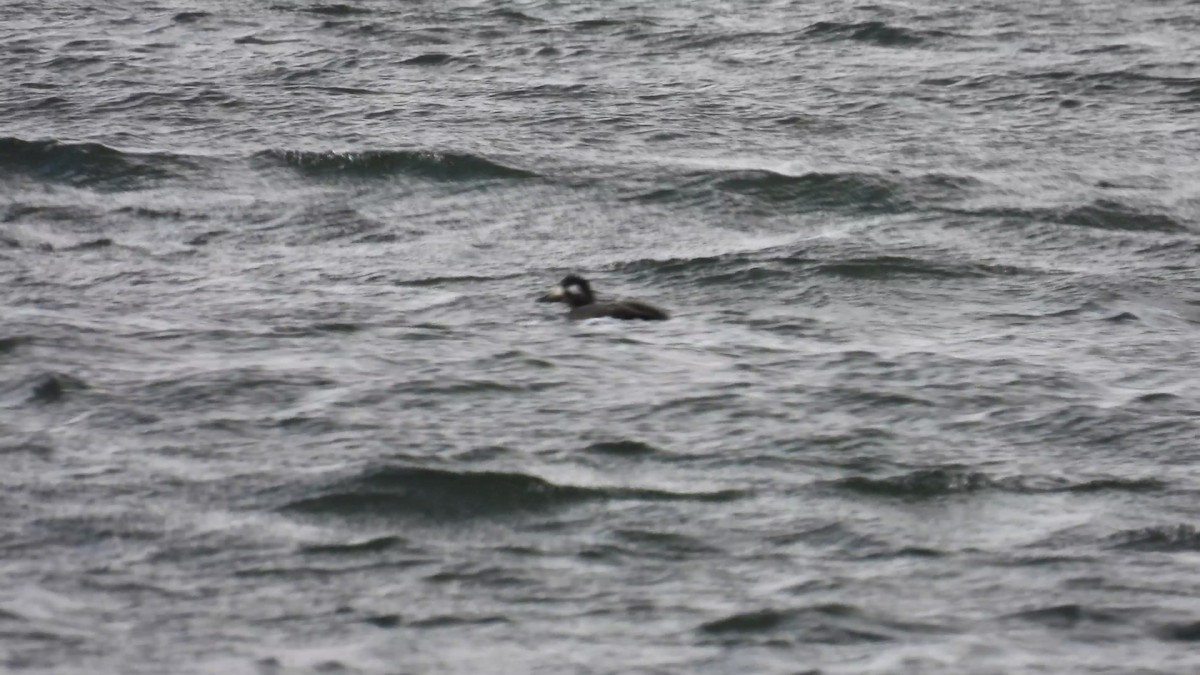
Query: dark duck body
x=577 y=292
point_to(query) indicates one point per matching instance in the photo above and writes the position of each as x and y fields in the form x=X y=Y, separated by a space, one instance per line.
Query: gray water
x=275 y=396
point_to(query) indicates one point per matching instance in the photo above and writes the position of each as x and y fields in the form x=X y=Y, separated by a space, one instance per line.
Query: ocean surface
x=276 y=398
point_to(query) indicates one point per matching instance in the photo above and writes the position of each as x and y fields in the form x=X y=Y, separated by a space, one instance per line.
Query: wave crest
x=388 y=163
x=1175 y=538
x=84 y=164
x=410 y=491
x=818 y=190
x=873 y=32
x=939 y=482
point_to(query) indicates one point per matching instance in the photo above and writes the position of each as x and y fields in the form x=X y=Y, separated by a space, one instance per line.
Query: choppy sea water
x=275 y=397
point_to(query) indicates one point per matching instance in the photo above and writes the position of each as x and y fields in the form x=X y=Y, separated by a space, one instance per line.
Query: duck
x=577 y=292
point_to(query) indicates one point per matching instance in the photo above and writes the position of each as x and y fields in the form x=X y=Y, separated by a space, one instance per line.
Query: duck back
x=623 y=309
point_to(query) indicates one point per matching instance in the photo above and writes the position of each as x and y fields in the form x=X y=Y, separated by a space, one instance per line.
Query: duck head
x=573 y=290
